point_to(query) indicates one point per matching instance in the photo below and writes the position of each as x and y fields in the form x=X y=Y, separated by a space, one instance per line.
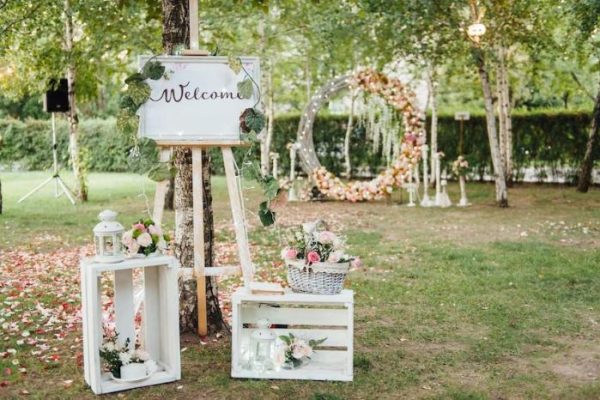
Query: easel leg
x=198 y=200
x=235 y=198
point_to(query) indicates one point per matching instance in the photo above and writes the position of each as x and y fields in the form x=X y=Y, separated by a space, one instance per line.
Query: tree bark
x=170 y=195
x=499 y=175
x=347 y=137
x=176 y=34
x=78 y=168
x=431 y=81
x=505 y=119
x=587 y=165
x=270 y=113
x=0 y=197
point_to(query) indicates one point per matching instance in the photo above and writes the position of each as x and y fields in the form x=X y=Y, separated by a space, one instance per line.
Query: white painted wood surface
x=305 y=315
x=160 y=318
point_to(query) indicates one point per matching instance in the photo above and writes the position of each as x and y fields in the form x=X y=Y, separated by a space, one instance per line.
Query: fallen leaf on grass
x=68 y=383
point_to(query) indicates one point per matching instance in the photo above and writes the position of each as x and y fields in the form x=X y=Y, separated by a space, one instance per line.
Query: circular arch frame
x=397 y=95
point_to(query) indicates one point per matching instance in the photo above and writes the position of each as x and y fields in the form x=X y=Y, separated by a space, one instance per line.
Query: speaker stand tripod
x=59 y=185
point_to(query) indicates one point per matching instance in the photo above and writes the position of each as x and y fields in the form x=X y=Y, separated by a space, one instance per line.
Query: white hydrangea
x=125 y=358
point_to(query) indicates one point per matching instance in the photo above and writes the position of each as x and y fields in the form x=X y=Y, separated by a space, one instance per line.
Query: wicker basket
x=317 y=278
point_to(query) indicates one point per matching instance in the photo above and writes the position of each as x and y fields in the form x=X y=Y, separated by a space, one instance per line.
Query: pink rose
x=327 y=237
x=356 y=262
x=144 y=239
x=289 y=253
x=155 y=230
x=140 y=227
x=313 y=257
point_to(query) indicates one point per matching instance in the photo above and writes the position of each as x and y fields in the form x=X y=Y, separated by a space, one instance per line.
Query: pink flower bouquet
x=145 y=237
x=314 y=245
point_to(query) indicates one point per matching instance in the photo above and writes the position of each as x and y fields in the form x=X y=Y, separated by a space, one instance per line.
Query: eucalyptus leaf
x=153 y=70
x=266 y=216
x=245 y=88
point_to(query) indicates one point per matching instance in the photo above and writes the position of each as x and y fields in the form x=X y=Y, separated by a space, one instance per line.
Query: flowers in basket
x=145 y=237
x=460 y=166
x=119 y=356
x=295 y=351
x=314 y=244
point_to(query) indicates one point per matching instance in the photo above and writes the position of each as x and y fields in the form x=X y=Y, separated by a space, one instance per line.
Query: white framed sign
x=198 y=101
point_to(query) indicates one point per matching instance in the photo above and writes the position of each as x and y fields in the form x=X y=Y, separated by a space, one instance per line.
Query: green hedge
x=540 y=138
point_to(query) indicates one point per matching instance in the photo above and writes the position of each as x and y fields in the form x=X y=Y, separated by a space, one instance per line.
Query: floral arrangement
x=313 y=245
x=296 y=351
x=116 y=355
x=460 y=166
x=401 y=98
x=145 y=237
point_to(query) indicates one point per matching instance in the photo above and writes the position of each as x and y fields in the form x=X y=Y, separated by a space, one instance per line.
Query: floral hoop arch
x=396 y=94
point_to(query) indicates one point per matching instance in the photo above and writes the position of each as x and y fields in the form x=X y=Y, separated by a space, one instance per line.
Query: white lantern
x=262 y=344
x=108 y=235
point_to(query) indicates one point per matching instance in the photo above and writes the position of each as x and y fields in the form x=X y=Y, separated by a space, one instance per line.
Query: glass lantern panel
x=98 y=243
x=118 y=243
x=108 y=246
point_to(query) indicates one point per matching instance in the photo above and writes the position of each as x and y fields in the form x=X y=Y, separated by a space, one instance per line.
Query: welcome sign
x=197 y=101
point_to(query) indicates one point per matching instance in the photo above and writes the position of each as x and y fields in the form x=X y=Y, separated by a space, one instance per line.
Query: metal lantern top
x=108 y=223
x=263 y=333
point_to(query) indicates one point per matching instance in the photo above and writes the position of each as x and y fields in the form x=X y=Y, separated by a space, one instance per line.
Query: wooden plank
x=199 y=262
x=335 y=337
x=152 y=318
x=161 y=190
x=124 y=310
x=204 y=143
x=85 y=315
x=94 y=332
x=350 y=361
x=193 y=8
x=220 y=271
x=295 y=316
x=342 y=299
x=169 y=314
x=239 y=223
x=193 y=52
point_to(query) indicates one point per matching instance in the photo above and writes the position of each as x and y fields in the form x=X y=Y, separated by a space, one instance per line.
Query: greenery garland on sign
x=252 y=122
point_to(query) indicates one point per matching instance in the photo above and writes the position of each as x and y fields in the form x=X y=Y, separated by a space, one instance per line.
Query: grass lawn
x=475 y=303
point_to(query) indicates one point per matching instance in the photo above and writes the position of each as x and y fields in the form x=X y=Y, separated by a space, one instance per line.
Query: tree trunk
x=175 y=34
x=434 y=120
x=78 y=168
x=504 y=113
x=585 y=175
x=0 y=197
x=349 y=129
x=499 y=175
x=170 y=195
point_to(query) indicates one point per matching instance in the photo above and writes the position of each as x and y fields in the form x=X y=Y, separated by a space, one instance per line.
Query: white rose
x=336 y=256
x=142 y=355
x=162 y=245
x=144 y=239
x=125 y=358
x=134 y=248
x=127 y=238
x=110 y=346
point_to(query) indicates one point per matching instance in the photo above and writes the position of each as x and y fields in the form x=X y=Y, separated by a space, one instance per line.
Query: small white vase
x=133 y=371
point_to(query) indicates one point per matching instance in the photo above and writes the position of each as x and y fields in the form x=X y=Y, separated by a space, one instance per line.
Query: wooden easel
x=235 y=198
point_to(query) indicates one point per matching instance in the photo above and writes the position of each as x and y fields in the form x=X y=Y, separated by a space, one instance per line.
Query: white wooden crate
x=160 y=318
x=307 y=315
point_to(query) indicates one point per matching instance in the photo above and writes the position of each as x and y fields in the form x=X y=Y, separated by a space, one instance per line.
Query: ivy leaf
x=127 y=123
x=245 y=88
x=127 y=103
x=134 y=78
x=285 y=339
x=139 y=92
x=161 y=172
x=235 y=64
x=270 y=186
x=153 y=70
x=250 y=137
x=255 y=120
x=266 y=216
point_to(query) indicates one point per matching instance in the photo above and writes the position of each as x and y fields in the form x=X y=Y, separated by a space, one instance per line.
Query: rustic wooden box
x=160 y=318
x=305 y=315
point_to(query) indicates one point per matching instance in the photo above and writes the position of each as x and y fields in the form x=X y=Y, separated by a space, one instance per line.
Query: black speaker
x=57 y=98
